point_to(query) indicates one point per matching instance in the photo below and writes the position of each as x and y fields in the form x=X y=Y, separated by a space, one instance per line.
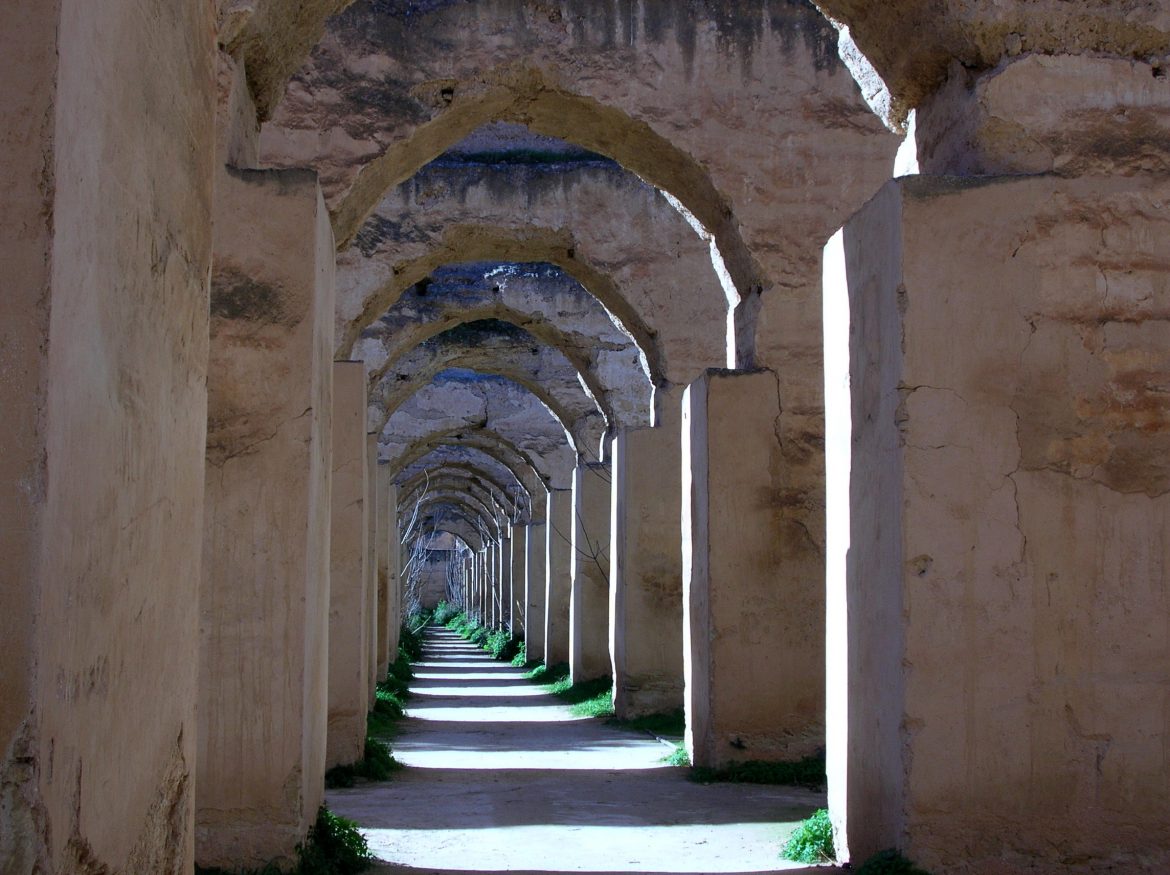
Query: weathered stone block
x=999 y=503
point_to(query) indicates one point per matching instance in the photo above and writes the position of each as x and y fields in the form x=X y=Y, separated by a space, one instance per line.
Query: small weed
x=599 y=705
x=384 y=716
x=671 y=723
x=378 y=764
x=521 y=658
x=468 y=628
x=501 y=645
x=410 y=642
x=677 y=757
x=809 y=772
x=812 y=842
x=443 y=613
x=588 y=699
x=333 y=847
x=889 y=862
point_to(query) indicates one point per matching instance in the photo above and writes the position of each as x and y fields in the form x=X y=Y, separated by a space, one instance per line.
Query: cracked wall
x=1027 y=549
x=105 y=354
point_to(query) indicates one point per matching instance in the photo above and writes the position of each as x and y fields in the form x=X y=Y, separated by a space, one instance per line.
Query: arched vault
x=483 y=440
x=540 y=299
x=618 y=237
x=475 y=459
x=451 y=479
x=503 y=350
x=515 y=505
x=458 y=400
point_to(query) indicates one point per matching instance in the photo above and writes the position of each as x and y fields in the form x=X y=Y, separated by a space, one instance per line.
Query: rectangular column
x=264 y=599
x=348 y=624
x=519 y=579
x=505 y=590
x=536 y=582
x=493 y=583
x=382 y=539
x=999 y=510
x=589 y=602
x=753 y=621
x=393 y=627
x=560 y=576
x=645 y=574
x=372 y=608
x=105 y=253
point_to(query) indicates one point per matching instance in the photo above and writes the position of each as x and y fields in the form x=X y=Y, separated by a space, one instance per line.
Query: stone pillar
x=536 y=582
x=998 y=505
x=505 y=590
x=372 y=608
x=645 y=573
x=382 y=538
x=393 y=627
x=589 y=602
x=348 y=625
x=264 y=601
x=753 y=624
x=560 y=576
x=105 y=248
x=490 y=593
x=519 y=579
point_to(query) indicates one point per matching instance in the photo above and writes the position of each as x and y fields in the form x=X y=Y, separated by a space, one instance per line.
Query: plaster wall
x=382 y=537
x=589 y=599
x=560 y=576
x=103 y=346
x=263 y=602
x=394 y=550
x=371 y=584
x=348 y=623
x=505 y=591
x=536 y=584
x=645 y=586
x=1008 y=370
x=754 y=619
x=519 y=580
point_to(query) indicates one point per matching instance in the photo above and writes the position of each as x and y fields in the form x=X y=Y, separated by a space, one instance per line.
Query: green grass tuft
x=443 y=613
x=334 y=846
x=521 y=658
x=812 y=842
x=809 y=772
x=378 y=764
x=889 y=862
x=588 y=699
x=677 y=757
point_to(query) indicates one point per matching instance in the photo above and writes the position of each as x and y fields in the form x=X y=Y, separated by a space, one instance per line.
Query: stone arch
x=464 y=243
x=619 y=403
x=548 y=375
x=516 y=493
x=451 y=402
x=485 y=514
x=584 y=434
x=524 y=96
x=453 y=483
x=472 y=458
x=451 y=478
x=462 y=529
x=530 y=469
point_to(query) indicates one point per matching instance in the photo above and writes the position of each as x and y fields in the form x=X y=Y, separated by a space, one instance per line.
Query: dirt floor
x=501 y=777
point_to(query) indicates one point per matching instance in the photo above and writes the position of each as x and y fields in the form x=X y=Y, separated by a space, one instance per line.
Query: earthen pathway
x=501 y=777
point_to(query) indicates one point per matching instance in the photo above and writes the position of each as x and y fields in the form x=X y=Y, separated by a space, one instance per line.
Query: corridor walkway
x=501 y=777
